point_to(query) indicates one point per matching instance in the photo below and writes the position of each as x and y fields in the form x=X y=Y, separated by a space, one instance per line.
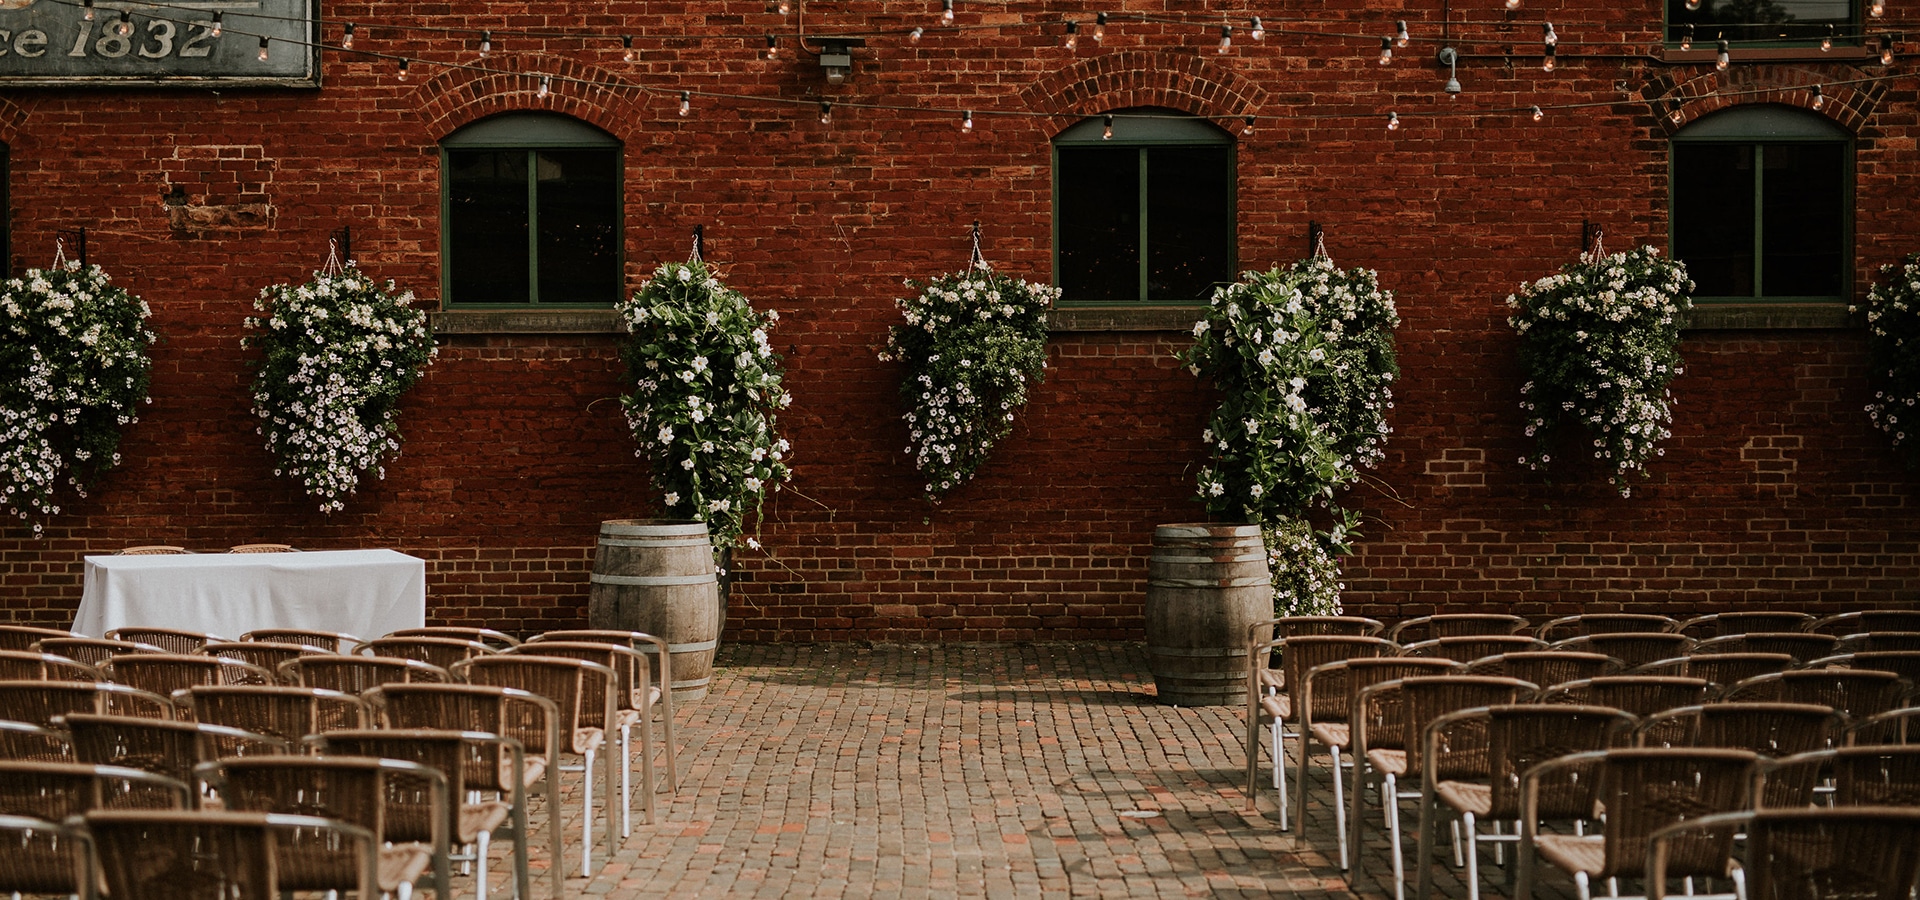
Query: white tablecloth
x=361 y=592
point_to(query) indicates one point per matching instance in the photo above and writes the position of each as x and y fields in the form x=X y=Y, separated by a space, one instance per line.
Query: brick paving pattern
x=849 y=770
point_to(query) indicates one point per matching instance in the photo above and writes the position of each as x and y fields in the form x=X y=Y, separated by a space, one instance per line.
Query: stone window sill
x=1771 y=316
x=1124 y=318
x=526 y=321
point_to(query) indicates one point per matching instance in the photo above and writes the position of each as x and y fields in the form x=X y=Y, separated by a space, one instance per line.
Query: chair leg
x=626 y=783
x=1457 y=861
x=647 y=802
x=1423 y=848
x=1473 y=855
x=1356 y=814
x=1300 y=781
x=586 y=818
x=1339 y=808
x=673 y=759
x=480 y=864
x=1390 y=800
x=1280 y=771
x=1253 y=759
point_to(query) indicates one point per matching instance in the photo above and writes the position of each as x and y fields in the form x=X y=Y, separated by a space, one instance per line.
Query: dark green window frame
x=1759 y=127
x=1145 y=130
x=533 y=133
x=1801 y=23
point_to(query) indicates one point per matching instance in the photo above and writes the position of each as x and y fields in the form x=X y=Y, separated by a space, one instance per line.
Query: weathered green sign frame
x=215 y=43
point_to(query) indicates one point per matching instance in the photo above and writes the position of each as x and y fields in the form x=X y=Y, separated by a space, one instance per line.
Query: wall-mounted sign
x=224 y=43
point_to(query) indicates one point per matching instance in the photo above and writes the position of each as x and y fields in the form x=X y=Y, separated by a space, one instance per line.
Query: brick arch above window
x=454 y=98
x=1676 y=104
x=1134 y=78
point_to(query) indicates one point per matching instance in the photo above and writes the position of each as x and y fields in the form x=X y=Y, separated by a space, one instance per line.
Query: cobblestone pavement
x=850 y=770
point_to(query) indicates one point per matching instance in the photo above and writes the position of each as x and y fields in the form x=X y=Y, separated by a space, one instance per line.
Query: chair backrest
x=1546 y=667
x=1329 y=690
x=497 y=639
x=56 y=790
x=1771 y=730
x=262 y=548
x=44 y=857
x=1631 y=647
x=165 y=673
x=531 y=722
x=635 y=676
x=335 y=641
x=1856 y=693
x=27 y=742
x=40 y=702
x=172 y=640
x=1439 y=625
x=1422 y=699
x=1644 y=790
x=165 y=748
x=32 y=665
x=1604 y=623
x=439 y=651
x=92 y=651
x=282 y=711
x=1801 y=645
x=209 y=855
x=361 y=790
x=1859 y=621
x=23 y=637
x=1642 y=695
x=1301 y=626
x=359 y=674
x=267 y=655
x=1870 y=641
x=1466 y=648
x=153 y=550
x=1790 y=854
x=454 y=755
x=1719 y=669
x=1500 y=743
x=1743 y=621
x=657 y=650
x=582 y=691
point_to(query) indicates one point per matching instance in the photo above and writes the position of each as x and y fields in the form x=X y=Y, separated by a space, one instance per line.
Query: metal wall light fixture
x=1450 y=58
x=836 y=57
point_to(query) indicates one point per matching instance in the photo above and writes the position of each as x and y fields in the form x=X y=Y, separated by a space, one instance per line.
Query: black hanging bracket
x=1589 y=238
x=79 y=236
x=699 y=244
x=1316 y=240
x=978 y=261
x=339 y=250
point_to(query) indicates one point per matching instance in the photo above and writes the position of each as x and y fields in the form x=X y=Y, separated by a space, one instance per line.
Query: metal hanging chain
x=978 y=261
x=1320 y=247
x=332 y=265
x=698 y=240
x=59 y=253
x=1599 y=248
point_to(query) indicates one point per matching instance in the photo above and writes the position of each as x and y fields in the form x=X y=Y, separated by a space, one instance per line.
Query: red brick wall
x=1773 y=489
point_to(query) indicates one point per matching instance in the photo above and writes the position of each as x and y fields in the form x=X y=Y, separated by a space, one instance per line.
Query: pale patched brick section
x=1773 y=461
x=1459 y=467
x=217 y=187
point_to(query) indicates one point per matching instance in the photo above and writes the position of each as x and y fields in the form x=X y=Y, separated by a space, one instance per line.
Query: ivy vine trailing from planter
x=1600 y=344
x=337 y=353
x=1893 y=354
x=707 y=385
x=73 y=368
x=1304 y=360
x=974 y=343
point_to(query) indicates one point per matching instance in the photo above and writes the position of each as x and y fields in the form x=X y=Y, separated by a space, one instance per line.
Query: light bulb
x=218 y=27
x=1393 y=121
x=966 y=122
x=1886 y=51
x=1099 y=27
x=1257 y=31
x=1826 y=43
x=1537 y=114
x=1878 y=9
x=1547 y=60
x=914 y=35
x=1386 y=50
x=546 y=87
x=1247 y=128
x=773 y=47
x=1548 y=35
x=124 y=27
x=1819 y=97
x=826 y=113
x=1513 y=4
x=346 y=37
x=784 y=7
x=486 y=43
x=403 y=70
x=686 y=102
x=1400 y=35
x=1721 y=59
x=263 y=50
x=946 y=12
x=88 y=14
x=626 y=46
x=1693 y=5
x=1675 y=117
x=1073 y=35
x=1107 y=133
x=1686 y=39
x=1226 y=38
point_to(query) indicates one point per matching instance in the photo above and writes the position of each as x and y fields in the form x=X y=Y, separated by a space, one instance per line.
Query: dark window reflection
x=1804 y=220
x=1713 y=217
x=1100 y=224
x=1186 y=211
x=1786 y=200
x=496 y=197
x=1187 y=223
x=579 y=207
x=487 y=226
x=1764 y=20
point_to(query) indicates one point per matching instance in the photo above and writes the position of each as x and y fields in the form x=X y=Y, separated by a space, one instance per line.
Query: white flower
x=672 y=498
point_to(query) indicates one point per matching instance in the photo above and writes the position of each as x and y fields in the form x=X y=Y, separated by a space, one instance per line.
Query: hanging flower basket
x=337 y=353
x=1893 y=355
x=73 y=368
x=1600 y=344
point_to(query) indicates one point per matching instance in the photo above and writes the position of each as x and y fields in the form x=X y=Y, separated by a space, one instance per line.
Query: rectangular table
x=362 y=592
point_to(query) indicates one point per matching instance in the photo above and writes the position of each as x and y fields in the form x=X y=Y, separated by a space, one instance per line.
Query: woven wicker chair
x=1719 y=624
x=282 y=711
x=1880 y=641
x=1642 y=695
x=1900 y=726
x=499 y=640
x=1771 y=730
x=1604 y=623
x=23 y=637
x=1268 y=698
x=27 y=742
x=1856 y=693
x=1801 y=645
x=42 y=856
x=1868 y=620
x=660 y=699
x=528 y=726
x=1631 y=647
x=359 y=674
x=1791 y=854
x=1546 y=666
x=171 y=749
x=1473 y=761
x=354 y=789
x=1721 y=670
x=40 y=702
x=1904 y=663
x=31 y=665
x=209 y=855
x=1324 y=703
x=153 y=550
x=262 y=548
x=1642 y=790
x=1439 y=625
x=267 y=655
x=584 y=729
x=439 y=651
x=470 y=762
x=1466 y=648
x=165 y=673
x=92 y=651
x=1301 y=626
x=633 y=698
x=1389 y=720
x=172 y=640
x=334 y=641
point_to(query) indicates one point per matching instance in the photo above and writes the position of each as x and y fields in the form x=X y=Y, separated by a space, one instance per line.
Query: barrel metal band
x=1205 y=676
x=657 y=542
x=1253 y=581
x=652 y=580
x=1209 y=652
x=687 y=648
x=695 y=683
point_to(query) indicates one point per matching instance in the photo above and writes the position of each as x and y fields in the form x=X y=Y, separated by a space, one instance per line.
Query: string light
x=1878 y=9
x=263 y=50
x=1400 y=35
x=1226 y=38
x=1386 y=50
x=546 y=87
x=1099 y=27
x=1722 y=58
x=1393 y=121
x=1693 y=5
x=966 y=122
x=124 y=27
x=1819 y=97
x=1548 y=35
x=773 y=47
x=1106 y=134
x=346 y=38
x=403 y=69
x=1826 y=43
x=1548 y=59
x=686 y=103
x=87 y=5
x=1256 y=30
x=1247 y=127
x=214 y=32
x=626 y=45
x=1675 y=116
x=946 y=12
x=1513 y=4
x=1686 y=40
x=826 y=112
x=486 y=43
x=1537 y=114
x=1072 y=41
x=783 y=7
x=914 y=35
x=1886 y=51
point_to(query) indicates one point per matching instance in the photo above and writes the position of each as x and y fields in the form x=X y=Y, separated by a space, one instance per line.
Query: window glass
x=1765 y=21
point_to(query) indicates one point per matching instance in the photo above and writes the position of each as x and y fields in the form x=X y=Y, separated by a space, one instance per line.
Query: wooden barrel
x=657 y=576
x=1206 y=585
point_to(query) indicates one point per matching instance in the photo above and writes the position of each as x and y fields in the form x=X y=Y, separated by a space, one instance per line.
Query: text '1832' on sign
x=68 y=43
